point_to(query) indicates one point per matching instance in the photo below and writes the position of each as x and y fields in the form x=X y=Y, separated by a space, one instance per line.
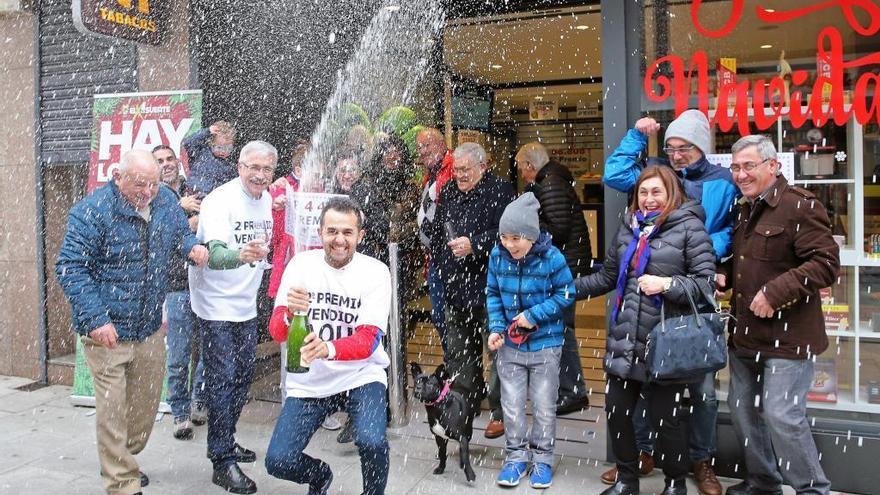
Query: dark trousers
x=571 y=378
x=664 y=404
x=230 y=350
x=465 y=329
x=300 y=418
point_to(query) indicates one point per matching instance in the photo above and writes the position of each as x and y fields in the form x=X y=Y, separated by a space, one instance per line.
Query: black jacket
x=474 y=214
x=682 y=248
x=376 y=211
x=562 y=217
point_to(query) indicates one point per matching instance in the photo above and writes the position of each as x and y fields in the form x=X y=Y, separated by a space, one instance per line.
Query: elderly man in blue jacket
x=113 y=268
x=686 y=142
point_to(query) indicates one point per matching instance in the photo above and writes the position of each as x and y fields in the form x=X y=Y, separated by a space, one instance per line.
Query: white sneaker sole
x=510 y=483
x=540 y=486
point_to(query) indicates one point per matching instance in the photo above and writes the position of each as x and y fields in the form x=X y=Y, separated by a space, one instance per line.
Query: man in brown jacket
x=783 y=253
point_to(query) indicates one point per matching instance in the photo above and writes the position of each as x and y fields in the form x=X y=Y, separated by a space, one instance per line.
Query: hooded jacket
x=113 y=265
x=681 y=248
x=539 y=285
x=562 y=217
x=206 y=171
x=709 y=184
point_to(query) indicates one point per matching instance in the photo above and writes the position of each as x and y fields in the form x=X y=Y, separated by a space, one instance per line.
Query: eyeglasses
x=256 y=168
x=747 y=166
x=222 y=148
x=681 y=149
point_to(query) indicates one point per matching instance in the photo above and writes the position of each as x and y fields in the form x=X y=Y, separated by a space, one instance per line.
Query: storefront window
x=798 y=76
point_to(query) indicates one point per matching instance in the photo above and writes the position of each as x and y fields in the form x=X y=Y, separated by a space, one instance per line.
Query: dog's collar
x=443 y=393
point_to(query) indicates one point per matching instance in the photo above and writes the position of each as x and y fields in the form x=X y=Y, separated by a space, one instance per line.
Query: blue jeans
x=701 y=429
x=300 y=418
x=179 y=343
x=773 y=420
x=438 y=314
x=533 y=376
x=230 y=349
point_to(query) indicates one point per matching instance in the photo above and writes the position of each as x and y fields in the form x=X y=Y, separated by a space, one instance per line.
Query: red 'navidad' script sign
x=660 y=87
x=122 y=122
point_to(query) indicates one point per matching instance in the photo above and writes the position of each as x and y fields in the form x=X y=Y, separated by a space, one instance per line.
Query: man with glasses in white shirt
x=236 y=225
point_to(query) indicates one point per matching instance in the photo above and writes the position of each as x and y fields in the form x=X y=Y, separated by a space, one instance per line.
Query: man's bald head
x=137 y=178
x=430 y=147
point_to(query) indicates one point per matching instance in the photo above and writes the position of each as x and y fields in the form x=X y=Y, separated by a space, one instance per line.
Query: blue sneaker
x=542 y=476
x=511 y=473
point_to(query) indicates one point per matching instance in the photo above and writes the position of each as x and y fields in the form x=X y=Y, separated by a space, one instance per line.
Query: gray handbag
x=686 y=347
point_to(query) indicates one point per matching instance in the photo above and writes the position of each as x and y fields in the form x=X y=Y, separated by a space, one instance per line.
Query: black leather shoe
x=744 y=488
x=324 y=488
x=233 y=480
x=346 y=435
x=675 y=487
x=568 y=405
x=244 y=455
x=622 y=488
x=143 y=477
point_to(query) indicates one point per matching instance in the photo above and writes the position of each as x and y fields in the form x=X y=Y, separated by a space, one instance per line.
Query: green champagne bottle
x=296 y=335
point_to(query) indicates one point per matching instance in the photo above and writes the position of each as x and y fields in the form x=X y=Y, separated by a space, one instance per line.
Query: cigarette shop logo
x=128 y=18
x=136 y=20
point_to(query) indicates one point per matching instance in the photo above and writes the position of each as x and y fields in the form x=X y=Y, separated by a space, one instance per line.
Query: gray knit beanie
x=521 y=217
x=693 y=127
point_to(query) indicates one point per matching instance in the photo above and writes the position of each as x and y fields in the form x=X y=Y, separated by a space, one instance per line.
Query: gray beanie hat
x=693 y=127
x=521 y=217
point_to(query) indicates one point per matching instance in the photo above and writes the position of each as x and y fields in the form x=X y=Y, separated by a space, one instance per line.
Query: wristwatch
x=667 y=284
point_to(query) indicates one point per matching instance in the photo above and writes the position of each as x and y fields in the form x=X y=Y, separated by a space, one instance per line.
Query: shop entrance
x=536 y=76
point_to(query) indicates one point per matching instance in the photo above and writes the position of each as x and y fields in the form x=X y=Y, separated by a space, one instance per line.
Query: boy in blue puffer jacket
x=528 y=286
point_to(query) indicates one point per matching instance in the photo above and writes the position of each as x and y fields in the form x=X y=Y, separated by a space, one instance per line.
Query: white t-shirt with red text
x=340 y=300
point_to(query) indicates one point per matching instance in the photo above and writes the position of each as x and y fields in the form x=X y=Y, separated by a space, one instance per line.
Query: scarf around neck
x=638 y=252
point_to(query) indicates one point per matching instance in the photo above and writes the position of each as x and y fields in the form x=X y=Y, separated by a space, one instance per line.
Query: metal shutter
x=73 y=67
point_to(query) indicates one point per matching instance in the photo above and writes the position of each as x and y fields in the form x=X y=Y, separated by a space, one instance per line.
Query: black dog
x=449 y=415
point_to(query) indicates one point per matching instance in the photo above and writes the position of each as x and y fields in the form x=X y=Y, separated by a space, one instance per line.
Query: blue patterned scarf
x=638 y=253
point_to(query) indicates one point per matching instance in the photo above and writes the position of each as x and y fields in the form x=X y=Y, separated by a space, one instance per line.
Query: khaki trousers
x=128 y=384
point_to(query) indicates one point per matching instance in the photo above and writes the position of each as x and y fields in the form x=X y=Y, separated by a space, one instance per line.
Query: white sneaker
x=331 y=423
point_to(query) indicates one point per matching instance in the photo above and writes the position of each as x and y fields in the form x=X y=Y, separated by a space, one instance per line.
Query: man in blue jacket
x=113 y=268
x=686 y=142
x=464 y=231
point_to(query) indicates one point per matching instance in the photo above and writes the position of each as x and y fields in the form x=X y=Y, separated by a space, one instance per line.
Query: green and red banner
x=122 y=122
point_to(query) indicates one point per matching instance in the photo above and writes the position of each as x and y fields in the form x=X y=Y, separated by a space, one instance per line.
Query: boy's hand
x=522 y=321
x=496 y=340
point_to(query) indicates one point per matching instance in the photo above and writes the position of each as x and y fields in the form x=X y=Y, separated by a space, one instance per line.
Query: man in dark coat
x=464 y=231
x=783 y=254
x=561 y=216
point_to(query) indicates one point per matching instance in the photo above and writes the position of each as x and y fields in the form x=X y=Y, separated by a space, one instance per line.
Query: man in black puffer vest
x=561 y=216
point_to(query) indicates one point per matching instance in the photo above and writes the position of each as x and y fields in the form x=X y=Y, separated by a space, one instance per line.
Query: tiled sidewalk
x=49 y=447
